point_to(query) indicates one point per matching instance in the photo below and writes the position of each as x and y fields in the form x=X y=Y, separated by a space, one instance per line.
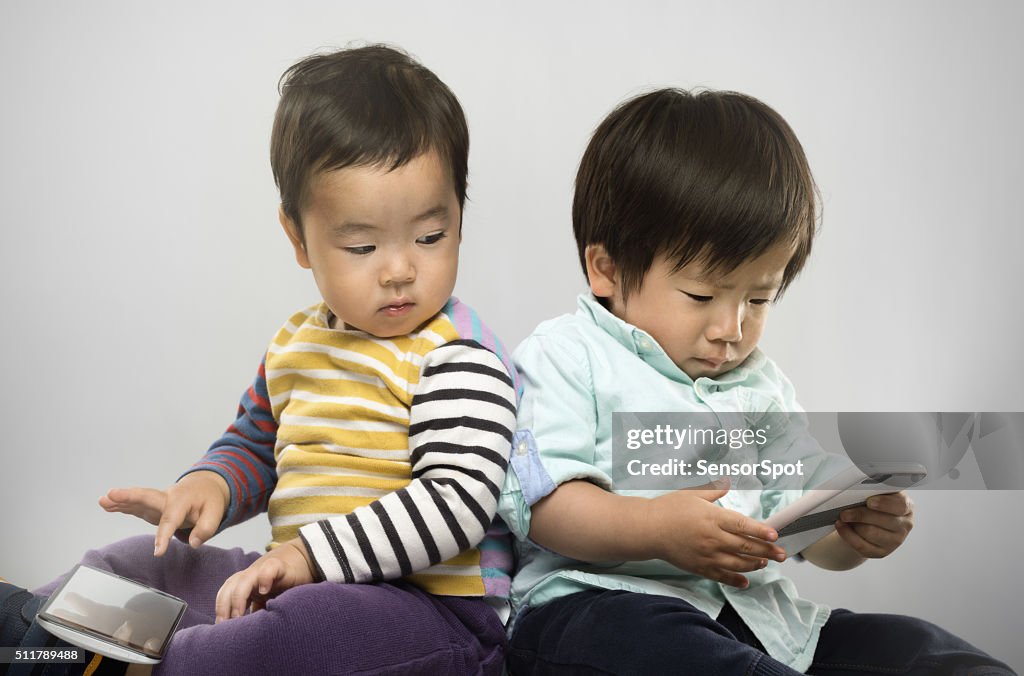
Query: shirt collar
x=642 y=344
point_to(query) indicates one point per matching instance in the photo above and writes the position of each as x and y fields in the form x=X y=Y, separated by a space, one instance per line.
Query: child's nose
x=726 y=325
x=399 y=270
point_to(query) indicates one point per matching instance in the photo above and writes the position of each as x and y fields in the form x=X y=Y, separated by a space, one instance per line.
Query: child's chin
x=395 y=328
x=702 y=370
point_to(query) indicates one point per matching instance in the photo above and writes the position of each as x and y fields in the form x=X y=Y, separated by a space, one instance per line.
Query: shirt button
x=645 y=344
x=522 y=448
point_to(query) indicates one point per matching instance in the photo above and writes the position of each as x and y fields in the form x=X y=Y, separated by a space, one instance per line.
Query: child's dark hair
x=368 y=106
x=713 y=177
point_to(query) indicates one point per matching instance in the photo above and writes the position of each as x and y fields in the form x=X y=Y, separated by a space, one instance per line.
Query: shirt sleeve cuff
x=534 y=480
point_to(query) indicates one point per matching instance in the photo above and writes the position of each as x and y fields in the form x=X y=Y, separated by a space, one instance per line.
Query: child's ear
x=294 y=236
x=601 y=271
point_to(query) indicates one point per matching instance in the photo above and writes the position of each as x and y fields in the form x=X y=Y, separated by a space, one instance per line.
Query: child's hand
x=717 y=543
x=877 y=529
x=287 y=566
x=686 y=528
x=198 y=501
x=145 y=503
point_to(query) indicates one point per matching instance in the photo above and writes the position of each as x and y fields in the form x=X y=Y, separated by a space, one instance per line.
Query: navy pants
x=617 y=632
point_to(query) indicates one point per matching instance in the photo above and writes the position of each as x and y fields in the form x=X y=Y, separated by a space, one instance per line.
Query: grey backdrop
x=142 y=270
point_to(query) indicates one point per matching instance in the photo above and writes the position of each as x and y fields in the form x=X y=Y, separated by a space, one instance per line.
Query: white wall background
x=142 y=270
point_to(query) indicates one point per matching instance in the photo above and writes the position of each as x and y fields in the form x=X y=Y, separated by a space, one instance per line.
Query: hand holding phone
x=879 y=527
x=814 y=515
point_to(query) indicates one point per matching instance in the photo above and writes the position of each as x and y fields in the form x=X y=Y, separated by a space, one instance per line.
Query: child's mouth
x=397 y=309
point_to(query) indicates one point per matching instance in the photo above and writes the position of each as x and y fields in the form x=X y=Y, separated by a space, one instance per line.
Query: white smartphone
x=814 y=514
x=112 y=615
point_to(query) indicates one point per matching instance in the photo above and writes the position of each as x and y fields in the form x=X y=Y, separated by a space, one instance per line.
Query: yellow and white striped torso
x=341 y=399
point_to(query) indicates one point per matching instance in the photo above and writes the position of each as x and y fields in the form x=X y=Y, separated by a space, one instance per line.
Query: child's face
x=383 y=245
x=706 y=324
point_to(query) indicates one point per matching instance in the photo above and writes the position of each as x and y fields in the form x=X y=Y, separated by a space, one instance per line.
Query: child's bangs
x=380 y=130
x=373 y=106
x=741 y=187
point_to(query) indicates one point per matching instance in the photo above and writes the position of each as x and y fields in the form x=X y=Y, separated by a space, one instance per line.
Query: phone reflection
x=119 y=610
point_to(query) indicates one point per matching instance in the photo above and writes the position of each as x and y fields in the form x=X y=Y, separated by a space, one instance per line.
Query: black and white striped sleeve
x=460 y=432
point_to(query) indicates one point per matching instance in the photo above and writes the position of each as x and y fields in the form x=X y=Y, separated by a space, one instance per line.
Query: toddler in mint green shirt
x=692 y=214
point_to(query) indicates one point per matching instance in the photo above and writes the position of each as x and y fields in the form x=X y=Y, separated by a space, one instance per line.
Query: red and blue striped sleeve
x=244 y=454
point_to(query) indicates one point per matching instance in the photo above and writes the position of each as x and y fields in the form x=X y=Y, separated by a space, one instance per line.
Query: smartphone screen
x=115 y=610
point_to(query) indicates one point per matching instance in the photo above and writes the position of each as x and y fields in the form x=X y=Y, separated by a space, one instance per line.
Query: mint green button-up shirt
x=577 y=371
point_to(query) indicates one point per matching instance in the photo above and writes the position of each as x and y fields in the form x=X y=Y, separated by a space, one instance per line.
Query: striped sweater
x=386 y=455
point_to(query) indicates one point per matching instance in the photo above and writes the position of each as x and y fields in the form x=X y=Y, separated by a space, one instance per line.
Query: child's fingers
x=248 y=588
x=174 y=516
x=233 y=597
x=862 y=515
x=897 y=504
x=268 y=574
x=144 y=503
x=240 y=595
x=879 y=519
x=735 y=563
x=222 y=605
x=129 y=499
x=738 y=524
x=748 y=546
x=886 y=539
x=206 y=525
x=725 y=577
x=862 y=546
x=116 y=498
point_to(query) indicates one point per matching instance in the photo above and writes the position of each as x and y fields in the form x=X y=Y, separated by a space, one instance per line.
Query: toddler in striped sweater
x=377 y=431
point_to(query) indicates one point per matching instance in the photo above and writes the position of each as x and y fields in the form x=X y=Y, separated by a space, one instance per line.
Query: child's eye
x=360 y=250
x=760 y=301
x=432 y=238
x=699 y=299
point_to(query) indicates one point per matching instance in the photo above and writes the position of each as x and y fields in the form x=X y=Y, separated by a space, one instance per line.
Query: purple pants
x=323 y=628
